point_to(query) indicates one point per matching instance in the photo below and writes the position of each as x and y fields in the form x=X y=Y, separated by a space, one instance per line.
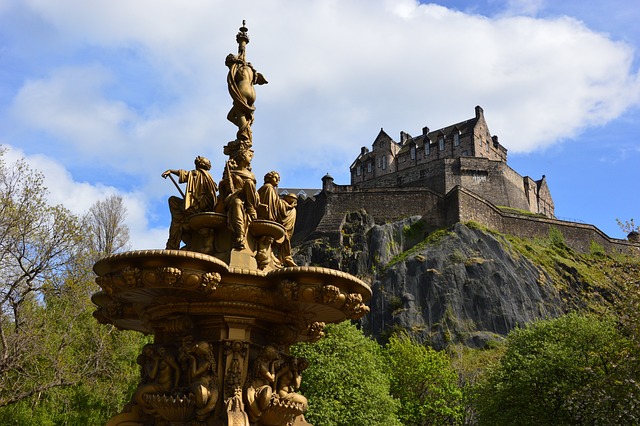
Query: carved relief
x=199 y=365
x=169 y=275
x=353 y=307
x=233 y=379
x=132 y=276
x=176 y=390
x=330 y=294
x=210 y=281
x=271 y=391
x=105 y=283
x=289 y=290
x=315 y=331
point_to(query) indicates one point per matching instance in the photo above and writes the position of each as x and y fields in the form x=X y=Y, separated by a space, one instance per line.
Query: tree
x=57 y=364
x=424 y=382
x=628 y=226
x=565 y=371
x=108 y=232
x=37 y=242
x=346 y=382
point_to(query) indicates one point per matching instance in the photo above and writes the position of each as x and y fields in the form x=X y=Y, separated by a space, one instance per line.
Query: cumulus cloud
x=337 y=71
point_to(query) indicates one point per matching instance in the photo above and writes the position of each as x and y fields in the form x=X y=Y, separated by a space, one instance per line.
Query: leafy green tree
x=38 y=242
x=565 y=371
x=346 y=383
x=57 y=364
x=425 y=383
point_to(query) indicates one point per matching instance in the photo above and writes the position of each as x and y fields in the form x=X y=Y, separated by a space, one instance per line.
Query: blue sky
x=103 y=96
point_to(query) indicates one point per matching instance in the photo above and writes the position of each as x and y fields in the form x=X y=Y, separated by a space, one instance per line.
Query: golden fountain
x=224 y=300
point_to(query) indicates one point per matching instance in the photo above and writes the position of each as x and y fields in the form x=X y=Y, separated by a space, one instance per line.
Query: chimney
x=494 y=138
x=479 y=111
x=403 y=137
x=363 y=150
x=425 y=130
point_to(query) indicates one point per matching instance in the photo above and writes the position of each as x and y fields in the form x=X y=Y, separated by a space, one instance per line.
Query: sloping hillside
x=466 y=284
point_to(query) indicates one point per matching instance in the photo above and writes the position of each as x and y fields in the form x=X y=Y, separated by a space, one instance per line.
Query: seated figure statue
x=283 y=211
x=200 y=196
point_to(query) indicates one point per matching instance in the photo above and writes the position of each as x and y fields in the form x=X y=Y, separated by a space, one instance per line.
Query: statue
x=262 y=382
x=241 y=78
x=283 y=211
x=199 y=364
x=160 y=374
x=238 y=195
x=289 y=380
x=200 y=197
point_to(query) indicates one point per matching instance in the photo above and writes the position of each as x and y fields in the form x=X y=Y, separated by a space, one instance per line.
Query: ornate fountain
x=224 y=300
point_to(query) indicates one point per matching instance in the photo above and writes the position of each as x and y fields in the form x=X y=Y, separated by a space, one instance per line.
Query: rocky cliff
x=460 y=285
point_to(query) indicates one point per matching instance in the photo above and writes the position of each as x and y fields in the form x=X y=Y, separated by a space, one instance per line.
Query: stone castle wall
x=323 y=217
x=578 y=236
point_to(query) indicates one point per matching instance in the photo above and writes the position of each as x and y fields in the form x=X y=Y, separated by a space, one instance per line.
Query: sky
x=103 y=96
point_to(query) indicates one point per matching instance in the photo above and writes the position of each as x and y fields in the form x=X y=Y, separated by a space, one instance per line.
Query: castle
x=458 y=173
x=462 y=154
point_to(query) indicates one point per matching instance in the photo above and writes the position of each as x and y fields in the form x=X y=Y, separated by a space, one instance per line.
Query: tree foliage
x=57 y=364
x=424 y=382
x=346 y=384
x=108 y=233
x=37 y=243
x=566 y=371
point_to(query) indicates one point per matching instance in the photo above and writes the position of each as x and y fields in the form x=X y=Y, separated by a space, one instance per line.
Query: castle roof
x=462 y=127
x=302 y=193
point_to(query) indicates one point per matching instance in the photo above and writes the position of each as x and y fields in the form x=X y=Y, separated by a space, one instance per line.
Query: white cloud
x=337 y=71
x=71 y=106
x=78 y=197
x=348 y=67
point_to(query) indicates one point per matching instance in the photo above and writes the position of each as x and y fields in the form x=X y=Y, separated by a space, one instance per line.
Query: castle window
x=456 y=138
x=384 y=162
x=487 y=148
x=427 y=148
x=441 y=143
x=369 y=166
x=413 y=152
x=358 y=170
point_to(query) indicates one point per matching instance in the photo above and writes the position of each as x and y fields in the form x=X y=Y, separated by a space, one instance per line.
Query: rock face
x=462 y=285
